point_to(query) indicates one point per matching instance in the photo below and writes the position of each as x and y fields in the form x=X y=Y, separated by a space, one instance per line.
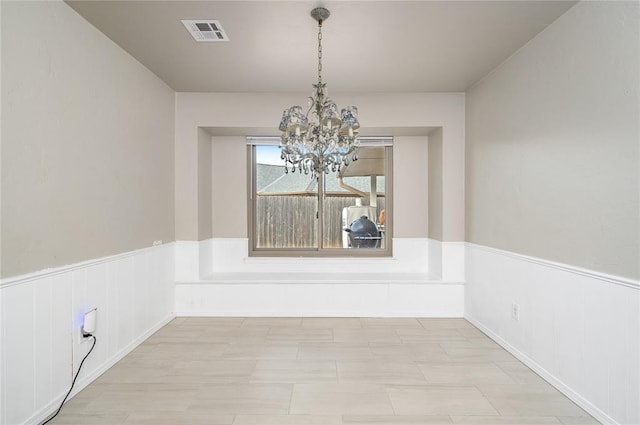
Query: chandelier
x=319 y=140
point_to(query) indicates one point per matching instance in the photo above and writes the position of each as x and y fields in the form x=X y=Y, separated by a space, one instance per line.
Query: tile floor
x=320 y=371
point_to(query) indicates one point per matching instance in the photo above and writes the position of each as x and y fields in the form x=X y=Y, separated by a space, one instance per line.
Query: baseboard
x=547 y=376
x=45 y=412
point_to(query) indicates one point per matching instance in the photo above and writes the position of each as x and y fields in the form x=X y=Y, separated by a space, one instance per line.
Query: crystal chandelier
x=320 y=140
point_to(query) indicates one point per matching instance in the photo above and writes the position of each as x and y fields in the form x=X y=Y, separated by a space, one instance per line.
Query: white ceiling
x=368 y=46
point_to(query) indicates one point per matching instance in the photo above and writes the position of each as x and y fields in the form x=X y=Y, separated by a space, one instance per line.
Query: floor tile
x=395 y=323
x=342 y=387
x=174 y=418
x=478 y=354
x=453 y=323
x=331 y=322
x=528 y=400
x=334 y=351
x=80 y=401
x=396 y=420
x=175 y=336
x=578 y=420
x=521 y=373
x=182 y=371
x=316 y=371
x=294 y=371
x=143 y=398
x=211 y=321
x=439 y=400
x=254 y=334
x=212 y=371
x=340 y=399
x=123 y=374
x=365 y=335
x=73 y=417
x=273 y=322
x=381 y=372
x=470 y=343
x=426 y=352
x=300 y=335
x=288 y=420
x=171 y=352
x=505 y=420
x=260 y=350
x=429 y=335
x=471 y=333
x=464 y=373
x=269 y=399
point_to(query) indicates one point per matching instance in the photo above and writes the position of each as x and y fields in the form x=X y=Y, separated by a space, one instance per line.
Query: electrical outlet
x=88 y=326
x=515 y=311
x=81 y=337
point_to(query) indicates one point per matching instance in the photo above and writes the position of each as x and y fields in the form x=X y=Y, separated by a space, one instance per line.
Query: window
x=292 y=214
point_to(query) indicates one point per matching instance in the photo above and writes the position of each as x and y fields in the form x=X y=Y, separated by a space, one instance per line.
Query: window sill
x=319 y=260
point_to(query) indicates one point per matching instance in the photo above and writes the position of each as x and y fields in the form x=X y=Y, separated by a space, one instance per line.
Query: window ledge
x=322 y=278
x=319 y=260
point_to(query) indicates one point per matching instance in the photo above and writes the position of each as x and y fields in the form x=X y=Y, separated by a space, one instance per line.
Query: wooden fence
x=289 y=221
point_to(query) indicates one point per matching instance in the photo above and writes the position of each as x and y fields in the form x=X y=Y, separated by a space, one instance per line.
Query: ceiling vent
x=205 y=30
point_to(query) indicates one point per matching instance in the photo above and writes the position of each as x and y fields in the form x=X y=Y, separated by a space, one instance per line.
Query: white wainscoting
x=580 y=330
x=438 y=260
x=320 y=299
x=435 y=258
x=205 y=257
x=230 y=255
x=42 y=315
x=239 y=285
x=187 y=261
x=453 y=261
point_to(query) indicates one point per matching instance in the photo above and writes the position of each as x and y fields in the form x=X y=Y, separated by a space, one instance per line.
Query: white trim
x=319 y=260
x=618 y=280
x=29 y=277
x=532 y=364
x=43 y=413
x=186 y=242
x=286 y=278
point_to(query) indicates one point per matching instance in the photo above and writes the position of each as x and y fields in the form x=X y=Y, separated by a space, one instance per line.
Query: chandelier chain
x=320 y=51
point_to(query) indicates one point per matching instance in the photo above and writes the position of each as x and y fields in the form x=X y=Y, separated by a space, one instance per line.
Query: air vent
x=205 y=30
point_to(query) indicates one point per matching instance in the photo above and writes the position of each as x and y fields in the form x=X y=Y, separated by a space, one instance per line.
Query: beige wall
x=552 y=144
x=410 y=187
x=87 y=143
x=258 y=114
x=204 y=185
x=435 y=184
x=229 y=187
